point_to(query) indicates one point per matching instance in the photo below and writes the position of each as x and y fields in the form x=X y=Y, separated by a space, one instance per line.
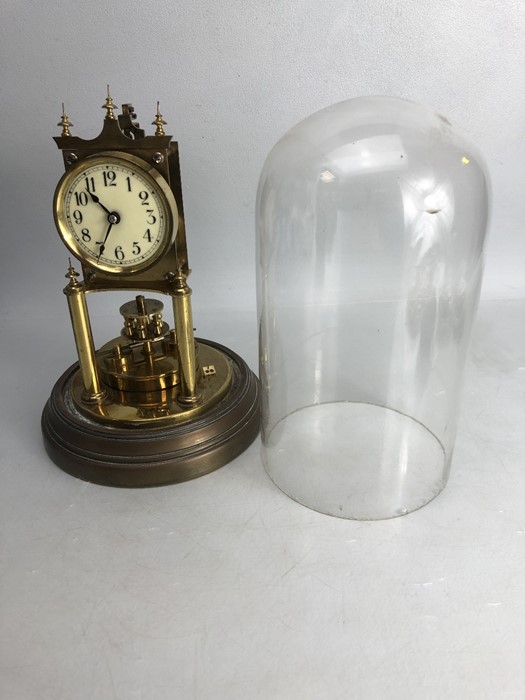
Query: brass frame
x=145 y=429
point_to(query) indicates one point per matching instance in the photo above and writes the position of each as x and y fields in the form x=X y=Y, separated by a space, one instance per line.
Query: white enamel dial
x=115 y=213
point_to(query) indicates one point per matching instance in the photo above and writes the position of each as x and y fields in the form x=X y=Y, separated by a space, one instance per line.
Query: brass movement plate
x=159 y=407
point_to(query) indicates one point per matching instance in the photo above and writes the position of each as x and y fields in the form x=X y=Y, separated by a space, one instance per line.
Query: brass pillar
x=181 y=295
x=76 y=301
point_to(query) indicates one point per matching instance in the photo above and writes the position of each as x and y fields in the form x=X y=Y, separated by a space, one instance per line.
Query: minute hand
x=103 y=244
x=113 y=218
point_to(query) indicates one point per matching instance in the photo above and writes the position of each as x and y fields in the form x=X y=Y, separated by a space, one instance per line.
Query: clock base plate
x=134 y=456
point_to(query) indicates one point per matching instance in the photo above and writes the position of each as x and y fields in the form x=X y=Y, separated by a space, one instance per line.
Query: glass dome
x=371 y=220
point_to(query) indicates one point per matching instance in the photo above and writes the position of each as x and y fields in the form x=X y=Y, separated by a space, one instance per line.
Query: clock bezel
x=151 y=175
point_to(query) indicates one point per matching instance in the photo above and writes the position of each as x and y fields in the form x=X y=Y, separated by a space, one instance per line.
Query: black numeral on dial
x=90 y=184
x=81 y=199
x=109 y=178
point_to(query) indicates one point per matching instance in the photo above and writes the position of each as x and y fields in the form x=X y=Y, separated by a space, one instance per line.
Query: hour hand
x=97 y=201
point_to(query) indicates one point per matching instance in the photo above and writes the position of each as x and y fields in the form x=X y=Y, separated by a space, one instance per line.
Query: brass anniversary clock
x=153 y=405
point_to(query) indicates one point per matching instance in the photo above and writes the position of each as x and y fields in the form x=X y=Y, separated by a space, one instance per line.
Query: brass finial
x=159 y=123
x=72 y=275
x=64 y=123
x=109 y=107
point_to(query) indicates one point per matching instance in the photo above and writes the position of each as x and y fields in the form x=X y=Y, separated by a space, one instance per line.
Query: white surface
x=225 y=588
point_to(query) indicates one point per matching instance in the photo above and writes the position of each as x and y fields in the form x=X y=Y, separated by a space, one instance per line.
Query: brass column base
x=139 y=456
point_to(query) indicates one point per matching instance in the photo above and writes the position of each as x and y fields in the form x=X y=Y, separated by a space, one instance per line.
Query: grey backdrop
x=232 y=77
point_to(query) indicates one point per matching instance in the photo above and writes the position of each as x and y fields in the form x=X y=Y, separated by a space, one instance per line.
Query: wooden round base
x=152 y=456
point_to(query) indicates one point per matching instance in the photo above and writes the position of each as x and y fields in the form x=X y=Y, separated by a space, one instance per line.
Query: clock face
x=115 y=213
